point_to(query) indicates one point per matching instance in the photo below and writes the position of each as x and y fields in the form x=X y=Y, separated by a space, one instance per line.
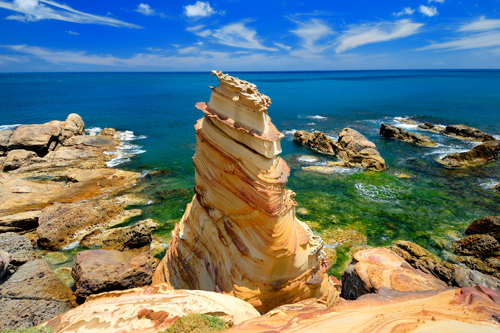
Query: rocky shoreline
x=239 y=253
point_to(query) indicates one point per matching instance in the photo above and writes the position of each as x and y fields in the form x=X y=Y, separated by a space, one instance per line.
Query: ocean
x=157 y=115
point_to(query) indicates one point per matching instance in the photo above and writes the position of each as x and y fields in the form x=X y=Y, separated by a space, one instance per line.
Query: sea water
x=156 y=114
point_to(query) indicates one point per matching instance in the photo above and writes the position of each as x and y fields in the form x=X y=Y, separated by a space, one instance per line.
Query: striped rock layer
x=239 y=235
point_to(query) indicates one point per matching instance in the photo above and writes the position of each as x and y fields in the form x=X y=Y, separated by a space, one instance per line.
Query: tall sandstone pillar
x=239 y=235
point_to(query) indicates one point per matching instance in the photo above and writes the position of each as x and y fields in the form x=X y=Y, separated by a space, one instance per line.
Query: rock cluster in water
x=239 y=235
x=389 y=131
x=481 y=154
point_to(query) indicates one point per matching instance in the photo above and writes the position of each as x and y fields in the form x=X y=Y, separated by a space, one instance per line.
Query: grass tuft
x=29 y=330
x=197 y=323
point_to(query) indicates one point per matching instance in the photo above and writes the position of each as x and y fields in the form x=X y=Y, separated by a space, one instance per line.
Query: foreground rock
x=462 y=310
x=33 y=295
x=389 y=131
x=373 y=269
x=467 y=133
x=98 y=271
x=489 y=225
x=19 y=222
x=19 y=249
x=479 y=155
x=62 y=224
x=239 y=235
x=352 y=147
x=149 y=309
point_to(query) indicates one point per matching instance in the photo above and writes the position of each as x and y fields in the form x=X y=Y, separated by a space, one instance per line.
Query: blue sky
x=236 y=35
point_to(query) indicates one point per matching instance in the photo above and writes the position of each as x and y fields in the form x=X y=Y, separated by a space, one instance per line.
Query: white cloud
x=404 y=11
x=428 y=11
x=145 y=9
x=438 y=1
x=374 y=33
x=72 y=33
x=34 y=10
x=200 y=9
x=311 y=32
x=481 y=33
x=4 y=59
x=283 y=46
x=482 y=24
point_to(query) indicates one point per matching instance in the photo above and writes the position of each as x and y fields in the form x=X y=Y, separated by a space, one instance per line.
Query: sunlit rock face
x=239 y=235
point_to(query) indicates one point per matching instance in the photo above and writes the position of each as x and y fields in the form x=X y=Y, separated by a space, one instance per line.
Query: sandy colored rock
x=4 y=263
x=55 y=258
x=461 y=310
x=107 y=133
x=4 y=141
x=148 y=309
x=97 y=271
x=489 y=225
x=467 y=133
x=359 y=151
x=64 y=274
x=19 y=248
x=479 y=155
x=35 y=138
x=405 y=121
x=373 y=269
x=316 y=141
x=239 y=235
x=63 y=224
x=16 y=158
x=478 y=245
x=21 y=221
x=389 y=131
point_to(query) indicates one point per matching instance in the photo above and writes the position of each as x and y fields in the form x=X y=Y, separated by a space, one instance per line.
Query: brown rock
x=357 y=150
x=4 y=141
x=478 y=155
x=98 y=271
x=389 y=131
x=33 y=295
x=478 y=265
x=497 y=188
x=35 y=138
x=316 y=141
x=107 y=133
x=373 y=269
x=463 y=310
x=19 y=248
x=478 y=245
x=467 y=133
x=405 y=121
x=489 y=225
x=431 y=127
x=149 y=309
x=16 y=158
x=63 y=224
x=21 y=221
x=4 y=263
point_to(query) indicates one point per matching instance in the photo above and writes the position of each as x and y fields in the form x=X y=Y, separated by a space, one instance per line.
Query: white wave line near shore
x=126 y=150
x=9 y=127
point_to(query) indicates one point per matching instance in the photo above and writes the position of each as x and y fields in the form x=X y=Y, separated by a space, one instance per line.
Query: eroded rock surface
x=316 y=141
x=149 y=309
x=97 y=271
x=431 y=127
x=18 y=247
x=467 y=133
x=474 y=309
x=389 y=131
x=489 y=225
x=239 y=235
x=479 y=155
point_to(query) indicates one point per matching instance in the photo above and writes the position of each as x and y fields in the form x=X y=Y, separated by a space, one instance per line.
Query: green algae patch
x=197 y=323
x=29 y=330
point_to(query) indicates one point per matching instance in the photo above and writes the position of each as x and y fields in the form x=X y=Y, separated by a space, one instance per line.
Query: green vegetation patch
x=197 y=323
x=29 y=330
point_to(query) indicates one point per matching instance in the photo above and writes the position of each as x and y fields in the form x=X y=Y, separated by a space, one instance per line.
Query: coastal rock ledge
x=239 y=235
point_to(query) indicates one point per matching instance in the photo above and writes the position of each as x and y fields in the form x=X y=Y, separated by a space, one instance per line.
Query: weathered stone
x=55 y=258
x=4 y=141
x=389 y=131
x=467 y=133
x=91 y=141
x=4 y=263
x=97 y=271
x=16 y=158
x=359 y=151
x=120 y=239
x=462 y=310
x=63 y=224
x=107 y=133
x=33 y=295
x=479 y=155
x=149 y=310
x=431 y=127
x=373 y=269
x=64 y=274
x=19 y=248
x=35 y=138
x=489 y=225
x=316 y=141
x=21 y=221
x=478 y=245
x=477 y=265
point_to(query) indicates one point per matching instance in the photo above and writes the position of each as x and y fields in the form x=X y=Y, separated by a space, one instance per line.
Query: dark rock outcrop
x=19 y=248
x=316 y=141
x=478 y=245
x=467 y=133
x=431 y=127
x=97 y=271
x=478 y=155
x=489 y=225
x=389 y=131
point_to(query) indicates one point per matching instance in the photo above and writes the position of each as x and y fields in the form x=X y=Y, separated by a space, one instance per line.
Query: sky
x=237 y=35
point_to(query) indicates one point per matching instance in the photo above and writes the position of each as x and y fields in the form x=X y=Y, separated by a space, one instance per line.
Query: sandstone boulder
x=37 y=138
x=479 y=155
x=389 y=131
x=467 y=133
x=373 y=269
x=107 y=133
x=33 y=295
x=21 y=221
x=4 y=141
x=63 y=224
x=478 y=245
x=16 y=158
x=431 y=127
x=489 y=225
x=357 y=150
x=149 y=309
x=316 y=141
x=97 y=271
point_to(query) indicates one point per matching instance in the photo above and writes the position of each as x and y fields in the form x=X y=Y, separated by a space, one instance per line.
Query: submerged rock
x=467 y=133
x=478 y=155
x=149 y=309
x=97 y=271
x=373 y=269
x=405 y=121
x=389 y=131
x=239 y=235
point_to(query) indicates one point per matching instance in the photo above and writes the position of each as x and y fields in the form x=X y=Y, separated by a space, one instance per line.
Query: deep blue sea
x=430 y=208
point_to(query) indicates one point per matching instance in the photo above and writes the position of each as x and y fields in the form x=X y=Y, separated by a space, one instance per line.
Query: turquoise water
x=159 y=109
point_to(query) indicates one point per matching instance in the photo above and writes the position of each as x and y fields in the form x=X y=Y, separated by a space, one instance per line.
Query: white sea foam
x=308 y=159
x=9 y=127
x=71 y=246
x=126 y=150
x=489 y=184
x=311 y=117
x=93 y=130
x=130 y=136
x=290 y=132
x=397 y=122
x=382 y=193
x=496 y=137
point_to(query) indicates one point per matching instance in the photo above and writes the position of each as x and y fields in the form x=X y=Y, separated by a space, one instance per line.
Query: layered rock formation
x=479 y=155
x=239 y=235
x=352 y=147
x=389 y=131
x=148 y=309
